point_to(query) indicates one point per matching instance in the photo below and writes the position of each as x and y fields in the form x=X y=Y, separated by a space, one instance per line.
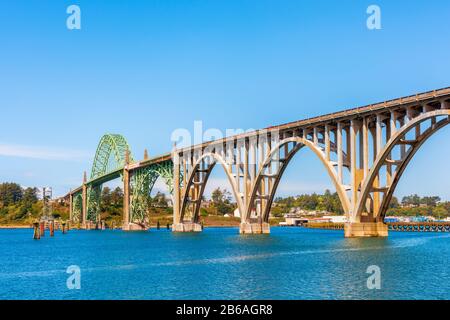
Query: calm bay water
x=291 y=263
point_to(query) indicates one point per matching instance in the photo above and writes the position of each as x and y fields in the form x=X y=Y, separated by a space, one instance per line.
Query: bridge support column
x=254 y=228
x=187 y=227
x=70 y=206
x=176 y=188
x=84 y=203
x=126 y=199
x=127 y=225
x=365 y=229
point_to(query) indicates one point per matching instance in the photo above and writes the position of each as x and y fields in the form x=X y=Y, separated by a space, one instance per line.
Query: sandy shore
x=15 y=227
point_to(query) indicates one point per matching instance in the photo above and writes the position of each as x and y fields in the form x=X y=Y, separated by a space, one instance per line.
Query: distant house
x=301 y=212
x=237 y=214
x=337 y=219
x=206 y=204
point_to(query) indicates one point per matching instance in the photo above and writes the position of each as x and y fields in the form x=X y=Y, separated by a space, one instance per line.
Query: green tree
x=412 y=200
x=222 y=201
x=10 y=193
x=117 y=197
x=440 y=212
x=394 y=203
x=30 y=196
x=159 y=201
x=106 y=198
x=430 y=201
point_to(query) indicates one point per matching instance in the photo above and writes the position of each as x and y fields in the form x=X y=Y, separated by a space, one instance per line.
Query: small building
x=294 y=221
x=337 y=219
x=237 y=214
x=319 y=220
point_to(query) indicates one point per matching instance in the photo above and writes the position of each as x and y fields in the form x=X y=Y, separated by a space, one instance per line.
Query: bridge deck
x=116 y=173
x=334 y=117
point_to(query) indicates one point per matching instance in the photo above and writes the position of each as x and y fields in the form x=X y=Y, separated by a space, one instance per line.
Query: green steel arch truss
x=112 y=153
x=111 y=156
x=142 y=182
x=77 y=208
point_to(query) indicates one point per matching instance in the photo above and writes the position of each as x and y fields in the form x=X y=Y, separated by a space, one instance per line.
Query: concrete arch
x=190 y=182
x=381 y=159
x=299 y=144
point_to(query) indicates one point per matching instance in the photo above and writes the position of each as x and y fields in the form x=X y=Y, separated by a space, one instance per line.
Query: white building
x=237 y=214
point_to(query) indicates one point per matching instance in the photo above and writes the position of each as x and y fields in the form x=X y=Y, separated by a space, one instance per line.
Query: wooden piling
x=37 y=231
x=52 y=228
x=158 y=226
x=42 y=229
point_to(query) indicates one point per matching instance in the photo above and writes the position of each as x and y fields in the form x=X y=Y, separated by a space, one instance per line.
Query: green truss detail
x=77 y=208
x=142 y=183
x=93 y=203
x=110 y=156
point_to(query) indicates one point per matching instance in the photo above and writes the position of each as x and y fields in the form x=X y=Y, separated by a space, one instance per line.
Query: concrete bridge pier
x=254 y=228
x=178 y=224
x=365 y=229
x=187 y=227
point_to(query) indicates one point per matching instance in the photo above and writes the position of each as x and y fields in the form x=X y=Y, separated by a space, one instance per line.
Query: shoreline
x=15 y=227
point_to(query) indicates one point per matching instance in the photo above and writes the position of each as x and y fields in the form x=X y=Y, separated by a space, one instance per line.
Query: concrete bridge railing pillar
x=176 y=187
x=84 y=202
x=126 y=198
x=70 y=206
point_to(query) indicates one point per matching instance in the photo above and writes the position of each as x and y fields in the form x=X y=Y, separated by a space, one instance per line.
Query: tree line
x=23 y=204
x=17 y=203
x=327 y=202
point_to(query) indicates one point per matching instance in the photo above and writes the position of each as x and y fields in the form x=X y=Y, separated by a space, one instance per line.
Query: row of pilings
x=40 y=227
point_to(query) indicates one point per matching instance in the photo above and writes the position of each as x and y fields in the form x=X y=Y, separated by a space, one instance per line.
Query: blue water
x=220 y=264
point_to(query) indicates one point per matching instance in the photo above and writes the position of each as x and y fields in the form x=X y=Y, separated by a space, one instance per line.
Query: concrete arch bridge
x=365 y=152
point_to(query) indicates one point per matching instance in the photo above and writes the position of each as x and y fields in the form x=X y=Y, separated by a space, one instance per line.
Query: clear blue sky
x=145 y=68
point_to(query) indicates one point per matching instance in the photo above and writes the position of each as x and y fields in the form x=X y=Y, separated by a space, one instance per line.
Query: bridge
x=364 y=150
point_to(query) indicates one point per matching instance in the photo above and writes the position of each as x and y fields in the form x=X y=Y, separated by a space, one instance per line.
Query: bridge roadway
x=115 y=174
x=364 y=150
